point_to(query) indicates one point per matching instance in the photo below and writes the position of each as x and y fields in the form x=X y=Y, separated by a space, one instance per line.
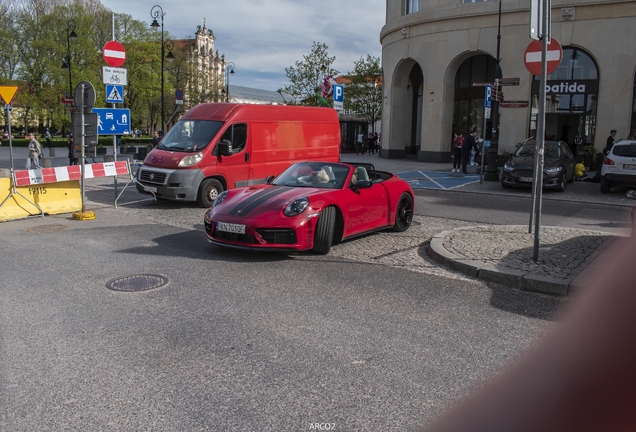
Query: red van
x=219 y=146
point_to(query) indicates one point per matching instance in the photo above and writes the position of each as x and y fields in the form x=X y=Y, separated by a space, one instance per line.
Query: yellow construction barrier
x=52 y=198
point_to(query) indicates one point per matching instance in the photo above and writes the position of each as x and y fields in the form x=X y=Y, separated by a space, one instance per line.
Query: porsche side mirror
x=269 y=179
x=224 y=148
x=364 y=184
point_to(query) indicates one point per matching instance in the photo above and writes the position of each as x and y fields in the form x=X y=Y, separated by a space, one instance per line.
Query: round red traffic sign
x=532 y=56
x=114 y=53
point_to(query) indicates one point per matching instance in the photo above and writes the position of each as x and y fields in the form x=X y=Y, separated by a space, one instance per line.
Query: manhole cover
x=46 y=228
x=140 y=282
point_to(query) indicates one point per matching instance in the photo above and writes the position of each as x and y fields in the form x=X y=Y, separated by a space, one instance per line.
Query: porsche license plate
x=526 y=179
x=629 y=166
x=232 y=228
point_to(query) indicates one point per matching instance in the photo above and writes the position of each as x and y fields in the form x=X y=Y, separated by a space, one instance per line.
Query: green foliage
x=307 y=75
x=363 y=95
x=589 y=149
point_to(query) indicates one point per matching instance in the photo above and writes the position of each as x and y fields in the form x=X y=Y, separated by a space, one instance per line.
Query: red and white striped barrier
x=72 y=172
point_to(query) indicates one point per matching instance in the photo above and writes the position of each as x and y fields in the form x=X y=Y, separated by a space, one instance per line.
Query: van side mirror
x=269 y=179
x=224 y=148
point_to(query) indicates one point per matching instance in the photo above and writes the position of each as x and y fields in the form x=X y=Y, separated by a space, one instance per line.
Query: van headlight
x=296 y=207
x=191 y=160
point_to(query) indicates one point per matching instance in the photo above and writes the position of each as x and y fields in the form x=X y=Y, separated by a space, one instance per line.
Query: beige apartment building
x=433 y=51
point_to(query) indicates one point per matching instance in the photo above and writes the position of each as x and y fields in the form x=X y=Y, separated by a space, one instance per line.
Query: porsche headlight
x=191 y=160
x=509 y=166
x=296 y=207
x=219 y=199
x=552 y=170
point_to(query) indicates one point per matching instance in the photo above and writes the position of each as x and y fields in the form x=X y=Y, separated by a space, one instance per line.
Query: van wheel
x=323 y=236
x=209 y=190
x=403 y=213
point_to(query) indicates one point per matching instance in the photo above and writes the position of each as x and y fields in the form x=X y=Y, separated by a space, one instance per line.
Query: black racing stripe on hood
x=246 y=206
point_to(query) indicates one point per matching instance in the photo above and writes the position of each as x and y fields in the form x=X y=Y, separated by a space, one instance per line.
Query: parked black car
x=558 y=168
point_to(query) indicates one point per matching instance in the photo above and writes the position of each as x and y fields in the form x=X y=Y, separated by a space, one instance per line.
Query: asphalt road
x=372 y=337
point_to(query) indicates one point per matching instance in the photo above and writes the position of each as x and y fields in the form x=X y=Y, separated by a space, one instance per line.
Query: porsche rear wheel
x=323 y=236
x=403 y=213
x=210 y=189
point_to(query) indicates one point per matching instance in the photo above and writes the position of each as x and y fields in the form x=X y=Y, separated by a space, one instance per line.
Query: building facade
x=435 y=51
x=201 y=72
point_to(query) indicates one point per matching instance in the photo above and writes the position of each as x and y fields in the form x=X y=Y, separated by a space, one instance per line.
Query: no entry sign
x=532 y=56
x=114 y=53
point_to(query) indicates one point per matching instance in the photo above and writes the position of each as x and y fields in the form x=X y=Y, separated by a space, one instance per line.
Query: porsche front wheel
x=403 y=213
x=323 y=236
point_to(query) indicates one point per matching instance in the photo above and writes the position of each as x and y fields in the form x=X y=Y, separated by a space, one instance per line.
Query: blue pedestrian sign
x=113 y=121
x=114 y=93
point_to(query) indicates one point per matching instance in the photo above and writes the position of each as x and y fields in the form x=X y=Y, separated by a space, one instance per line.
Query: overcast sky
x=263 y=37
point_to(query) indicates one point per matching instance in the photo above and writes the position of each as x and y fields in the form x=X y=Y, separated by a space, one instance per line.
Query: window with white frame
x=411 y=6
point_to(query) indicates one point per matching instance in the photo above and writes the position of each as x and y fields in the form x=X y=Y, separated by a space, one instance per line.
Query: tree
x=363 y=95
x=307 y=75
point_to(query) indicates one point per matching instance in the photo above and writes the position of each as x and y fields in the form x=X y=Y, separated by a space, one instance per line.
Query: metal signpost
x=487 y=108
x=540 y=24
x=84 y=101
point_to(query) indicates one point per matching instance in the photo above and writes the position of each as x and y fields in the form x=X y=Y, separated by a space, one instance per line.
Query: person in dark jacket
x=469 y=144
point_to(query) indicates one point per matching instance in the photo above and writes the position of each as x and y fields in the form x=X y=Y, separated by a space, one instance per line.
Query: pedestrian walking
x=610 y=142
x=35 y=153
x=155 y=139
x=458 y=143
x=359 y=143
x=467 y=147
x=371 y=143
x=47 y=135
x=72 y=160
x=376 y=142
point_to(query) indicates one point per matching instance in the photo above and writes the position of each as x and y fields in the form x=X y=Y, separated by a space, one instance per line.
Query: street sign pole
x=487 y=108
x=82 y=143
x=540 y=136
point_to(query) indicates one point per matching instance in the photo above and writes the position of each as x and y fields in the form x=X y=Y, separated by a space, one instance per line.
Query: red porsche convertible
x=310 y=206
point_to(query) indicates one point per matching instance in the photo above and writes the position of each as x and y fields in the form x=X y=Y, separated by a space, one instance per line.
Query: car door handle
x=247 y=157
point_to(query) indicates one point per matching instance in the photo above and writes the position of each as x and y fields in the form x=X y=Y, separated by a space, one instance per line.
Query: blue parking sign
x=113 y=121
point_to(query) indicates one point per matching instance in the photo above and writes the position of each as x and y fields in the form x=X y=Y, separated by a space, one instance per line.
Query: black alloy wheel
x=403 y=213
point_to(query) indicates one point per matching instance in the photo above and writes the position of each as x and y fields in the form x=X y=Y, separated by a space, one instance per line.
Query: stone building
x=434 y=51
x=199 y=70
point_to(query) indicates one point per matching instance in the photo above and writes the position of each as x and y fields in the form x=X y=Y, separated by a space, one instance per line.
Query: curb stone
x=509 y=277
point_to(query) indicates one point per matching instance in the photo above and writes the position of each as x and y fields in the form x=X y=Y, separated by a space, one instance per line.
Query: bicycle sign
x=111 y=75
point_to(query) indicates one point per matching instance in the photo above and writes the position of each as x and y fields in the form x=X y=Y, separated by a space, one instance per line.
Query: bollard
x=51 y=152
x=109 y=158
x=46 y=162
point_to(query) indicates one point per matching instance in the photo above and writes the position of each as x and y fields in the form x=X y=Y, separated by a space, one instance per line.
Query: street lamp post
x=491 y=172
x=66 y=64
x=229 y=67
x=157 y=12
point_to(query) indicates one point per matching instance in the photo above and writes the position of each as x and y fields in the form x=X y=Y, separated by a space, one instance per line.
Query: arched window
x=468 y=105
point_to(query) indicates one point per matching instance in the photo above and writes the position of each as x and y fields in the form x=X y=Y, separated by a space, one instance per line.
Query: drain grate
x=46 y=228
x=138 y=282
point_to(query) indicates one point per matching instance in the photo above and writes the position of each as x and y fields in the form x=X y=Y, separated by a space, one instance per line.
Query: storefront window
x=571 y=96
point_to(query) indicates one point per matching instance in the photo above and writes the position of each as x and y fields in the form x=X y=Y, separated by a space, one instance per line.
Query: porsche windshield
x=190 y=135
x=314 y=174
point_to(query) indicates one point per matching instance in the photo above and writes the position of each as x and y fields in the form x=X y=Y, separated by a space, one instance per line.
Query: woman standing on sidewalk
x=458 y=143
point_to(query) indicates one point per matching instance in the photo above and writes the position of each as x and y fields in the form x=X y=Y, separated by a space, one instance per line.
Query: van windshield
x=190 y=135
